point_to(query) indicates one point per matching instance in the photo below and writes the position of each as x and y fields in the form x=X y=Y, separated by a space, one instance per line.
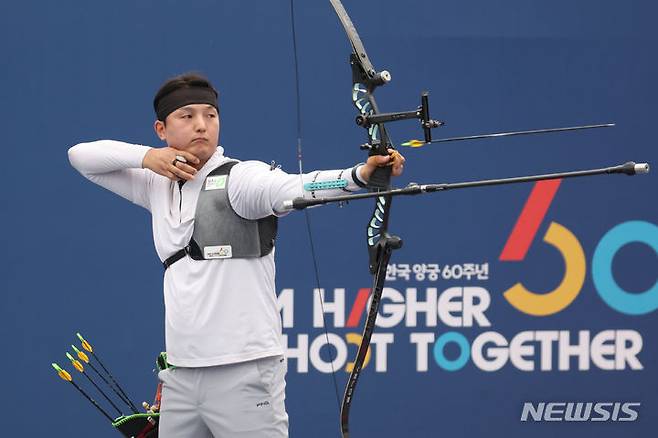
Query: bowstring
x=306 y=213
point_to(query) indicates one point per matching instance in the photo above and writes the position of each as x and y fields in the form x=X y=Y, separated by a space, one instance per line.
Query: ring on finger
x=179 y=158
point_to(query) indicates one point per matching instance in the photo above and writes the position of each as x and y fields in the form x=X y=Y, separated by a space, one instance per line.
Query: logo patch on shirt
x=217 y=252
x=216 y=182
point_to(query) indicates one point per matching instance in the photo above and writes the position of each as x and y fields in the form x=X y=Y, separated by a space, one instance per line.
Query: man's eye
x=212 y=116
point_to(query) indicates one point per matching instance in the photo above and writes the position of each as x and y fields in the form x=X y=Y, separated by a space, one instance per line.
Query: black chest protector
x=219 y=233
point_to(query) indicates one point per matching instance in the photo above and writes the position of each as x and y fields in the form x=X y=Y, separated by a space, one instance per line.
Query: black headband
x=184 y=96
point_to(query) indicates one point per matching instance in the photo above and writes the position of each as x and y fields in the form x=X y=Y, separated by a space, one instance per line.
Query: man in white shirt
x=222 y=326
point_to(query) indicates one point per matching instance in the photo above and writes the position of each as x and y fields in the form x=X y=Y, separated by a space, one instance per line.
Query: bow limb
x=377 y=289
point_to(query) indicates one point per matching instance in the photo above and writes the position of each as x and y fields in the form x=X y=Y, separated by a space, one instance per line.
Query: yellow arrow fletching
x=78 y=366
x=62 y=373
x=86 y=345
x=83 y=357
x=414 y=143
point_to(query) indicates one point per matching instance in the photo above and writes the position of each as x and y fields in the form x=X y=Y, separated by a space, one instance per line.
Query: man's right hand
x=163 y=162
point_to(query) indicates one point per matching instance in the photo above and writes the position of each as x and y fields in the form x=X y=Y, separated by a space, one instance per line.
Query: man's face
x=193 y=128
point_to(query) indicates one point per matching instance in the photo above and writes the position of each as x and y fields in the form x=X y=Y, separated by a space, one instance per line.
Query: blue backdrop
x=78 y=258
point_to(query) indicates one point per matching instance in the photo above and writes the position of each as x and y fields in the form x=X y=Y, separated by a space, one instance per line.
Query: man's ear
x=160 y=129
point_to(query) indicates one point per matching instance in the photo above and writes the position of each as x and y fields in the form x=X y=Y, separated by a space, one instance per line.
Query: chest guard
x=219 y=233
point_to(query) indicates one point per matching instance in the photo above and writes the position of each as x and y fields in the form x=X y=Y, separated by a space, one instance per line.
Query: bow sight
x=422 y=113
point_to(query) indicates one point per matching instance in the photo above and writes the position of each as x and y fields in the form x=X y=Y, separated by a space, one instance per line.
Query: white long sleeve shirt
x=216 y=311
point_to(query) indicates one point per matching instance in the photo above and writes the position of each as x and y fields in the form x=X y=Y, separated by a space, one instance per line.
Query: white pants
x=242 y=400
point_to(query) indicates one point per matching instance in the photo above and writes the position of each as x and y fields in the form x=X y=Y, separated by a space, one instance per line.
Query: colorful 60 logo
x=562 y=239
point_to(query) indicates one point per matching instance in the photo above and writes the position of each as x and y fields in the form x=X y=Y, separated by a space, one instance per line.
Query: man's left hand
x=393 y=159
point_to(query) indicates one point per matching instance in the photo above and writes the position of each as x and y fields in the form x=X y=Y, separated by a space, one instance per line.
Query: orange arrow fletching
x=414 y=143
x=76 y=363
x=83 y=357
x=62 y=373
x=86 y=345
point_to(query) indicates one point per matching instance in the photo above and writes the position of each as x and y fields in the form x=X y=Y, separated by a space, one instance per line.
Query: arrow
x=419 y=143
x=78 y=366
x=67 y=377
x=83 y=357
x=87 y=346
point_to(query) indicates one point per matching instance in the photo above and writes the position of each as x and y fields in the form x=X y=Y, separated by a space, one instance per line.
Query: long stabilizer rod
x=630 y=168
